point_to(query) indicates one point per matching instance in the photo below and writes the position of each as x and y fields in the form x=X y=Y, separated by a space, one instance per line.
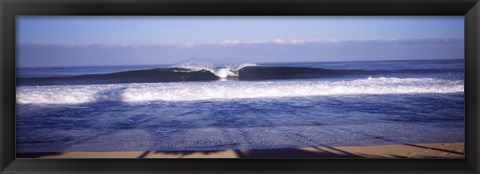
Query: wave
x=221 y=71
x=139 y=76
x=205 y=72
x=145 y=92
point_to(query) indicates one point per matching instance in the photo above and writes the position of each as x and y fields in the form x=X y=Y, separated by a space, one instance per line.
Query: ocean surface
x=204 y=106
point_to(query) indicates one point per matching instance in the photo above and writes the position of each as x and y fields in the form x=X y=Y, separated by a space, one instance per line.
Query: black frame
x=10 y=8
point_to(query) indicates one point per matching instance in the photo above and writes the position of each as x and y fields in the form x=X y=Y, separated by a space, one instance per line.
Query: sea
x=203 y=106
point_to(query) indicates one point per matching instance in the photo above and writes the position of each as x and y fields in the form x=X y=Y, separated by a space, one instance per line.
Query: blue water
x=377 y=108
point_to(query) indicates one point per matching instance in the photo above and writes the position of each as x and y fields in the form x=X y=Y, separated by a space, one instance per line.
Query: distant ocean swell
x=145 y=92
x=244 y=72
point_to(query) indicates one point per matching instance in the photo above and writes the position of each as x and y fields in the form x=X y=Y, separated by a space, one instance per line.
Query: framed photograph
x=251 y=86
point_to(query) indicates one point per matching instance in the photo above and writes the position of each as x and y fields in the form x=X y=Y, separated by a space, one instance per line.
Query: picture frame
x=11 y=8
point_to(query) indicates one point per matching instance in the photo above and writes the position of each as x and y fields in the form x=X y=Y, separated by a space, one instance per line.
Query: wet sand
x=432 y=150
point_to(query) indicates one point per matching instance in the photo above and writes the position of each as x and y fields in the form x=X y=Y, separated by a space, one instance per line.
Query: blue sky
x=108 y=40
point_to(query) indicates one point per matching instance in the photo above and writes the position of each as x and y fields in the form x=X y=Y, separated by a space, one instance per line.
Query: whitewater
x=224 y=90
x=195 y=106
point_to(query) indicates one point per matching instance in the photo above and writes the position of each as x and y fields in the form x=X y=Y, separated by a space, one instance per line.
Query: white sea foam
x=222 y=71
x=191 y=91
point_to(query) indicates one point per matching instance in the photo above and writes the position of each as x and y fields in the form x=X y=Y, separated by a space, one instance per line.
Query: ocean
x=203 y=106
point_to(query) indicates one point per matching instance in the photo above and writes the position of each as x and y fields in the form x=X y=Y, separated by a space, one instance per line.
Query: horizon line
x=363 y=60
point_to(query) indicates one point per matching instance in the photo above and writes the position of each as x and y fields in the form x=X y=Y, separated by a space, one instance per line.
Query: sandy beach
x=432 y=150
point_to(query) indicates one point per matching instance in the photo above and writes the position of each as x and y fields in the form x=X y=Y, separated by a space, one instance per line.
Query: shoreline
x=424 y=150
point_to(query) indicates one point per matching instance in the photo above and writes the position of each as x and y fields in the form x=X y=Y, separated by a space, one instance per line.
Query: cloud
x=188 y=44
x=258 y=50
x=276 y=42
x=336 y=41
x=298 y=42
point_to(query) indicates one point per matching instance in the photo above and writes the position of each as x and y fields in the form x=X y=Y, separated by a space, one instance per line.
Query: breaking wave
x=145 y=92
x=207 y=72
x=221 y=71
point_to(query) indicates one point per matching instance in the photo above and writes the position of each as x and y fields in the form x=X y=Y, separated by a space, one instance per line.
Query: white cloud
x=298 y=42
x=336 y=41
x=276 y=42
x=187 y=44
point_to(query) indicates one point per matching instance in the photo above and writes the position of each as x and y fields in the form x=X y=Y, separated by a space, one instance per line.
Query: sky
x=140 y=40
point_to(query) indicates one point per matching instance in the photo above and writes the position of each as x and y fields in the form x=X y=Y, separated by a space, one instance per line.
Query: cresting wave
x=187 y=74
x=145 y=92
x=222 y=71
x=243 y=72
